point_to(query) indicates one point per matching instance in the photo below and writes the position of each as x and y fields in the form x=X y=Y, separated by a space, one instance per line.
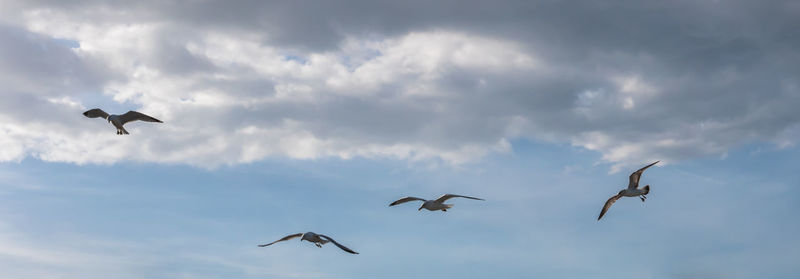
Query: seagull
x=632 y=190
x=433 y=205
x=119 y=120
x=317 y=239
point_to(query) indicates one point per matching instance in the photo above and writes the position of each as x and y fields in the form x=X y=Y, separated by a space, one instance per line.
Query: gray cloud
x=630 y=79
x=39 y=64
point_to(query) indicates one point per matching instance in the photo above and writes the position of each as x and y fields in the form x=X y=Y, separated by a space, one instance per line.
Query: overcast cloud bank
x=445 y=82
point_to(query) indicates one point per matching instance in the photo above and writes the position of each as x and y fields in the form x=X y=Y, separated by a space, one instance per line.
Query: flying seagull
x=317 y=239
x=632 y=190
x=433 y=205
x=119 y=120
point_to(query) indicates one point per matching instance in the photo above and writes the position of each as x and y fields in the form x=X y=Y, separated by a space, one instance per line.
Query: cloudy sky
x=293 y=116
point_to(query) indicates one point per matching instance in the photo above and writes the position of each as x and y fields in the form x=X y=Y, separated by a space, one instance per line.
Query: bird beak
x=419 y=209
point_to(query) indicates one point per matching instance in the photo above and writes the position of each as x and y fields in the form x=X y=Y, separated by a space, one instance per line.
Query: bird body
x=114 y=120
x=119 y=120
x=633 y=190
x=433 y=205
x=314 y=238
x=317 y=239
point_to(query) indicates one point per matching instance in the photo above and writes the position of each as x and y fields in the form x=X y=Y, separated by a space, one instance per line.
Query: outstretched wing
x=338 y=245
x=634 y=179
x=404 y=200
x=450 y=196
x=135 y=115
x=608 y=204
x=282 y=239
x=95 y=113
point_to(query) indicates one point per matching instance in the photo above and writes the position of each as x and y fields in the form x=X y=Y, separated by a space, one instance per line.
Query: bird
x=433 y=205
x=119 y=120
x=317 y=239
x=633 y=190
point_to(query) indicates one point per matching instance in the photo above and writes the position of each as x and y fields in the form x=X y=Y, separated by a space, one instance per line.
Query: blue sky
x=295 y=116
x=709 y=218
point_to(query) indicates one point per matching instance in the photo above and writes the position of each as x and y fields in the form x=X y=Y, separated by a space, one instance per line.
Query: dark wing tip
x=397 y=201
x=607 y=205
x=348 y=250
x=152 y=119
x=344 y=248
x=143 y=117
x=462 y=196
x=602 y=213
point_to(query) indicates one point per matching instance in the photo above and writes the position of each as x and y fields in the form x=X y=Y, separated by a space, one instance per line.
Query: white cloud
x=222 y=116
x=234 y=94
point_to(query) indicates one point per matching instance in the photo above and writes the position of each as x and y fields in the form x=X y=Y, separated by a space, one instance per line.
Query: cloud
x=636 y=82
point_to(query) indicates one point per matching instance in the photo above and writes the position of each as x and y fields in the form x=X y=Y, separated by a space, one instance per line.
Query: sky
x=292 y=116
